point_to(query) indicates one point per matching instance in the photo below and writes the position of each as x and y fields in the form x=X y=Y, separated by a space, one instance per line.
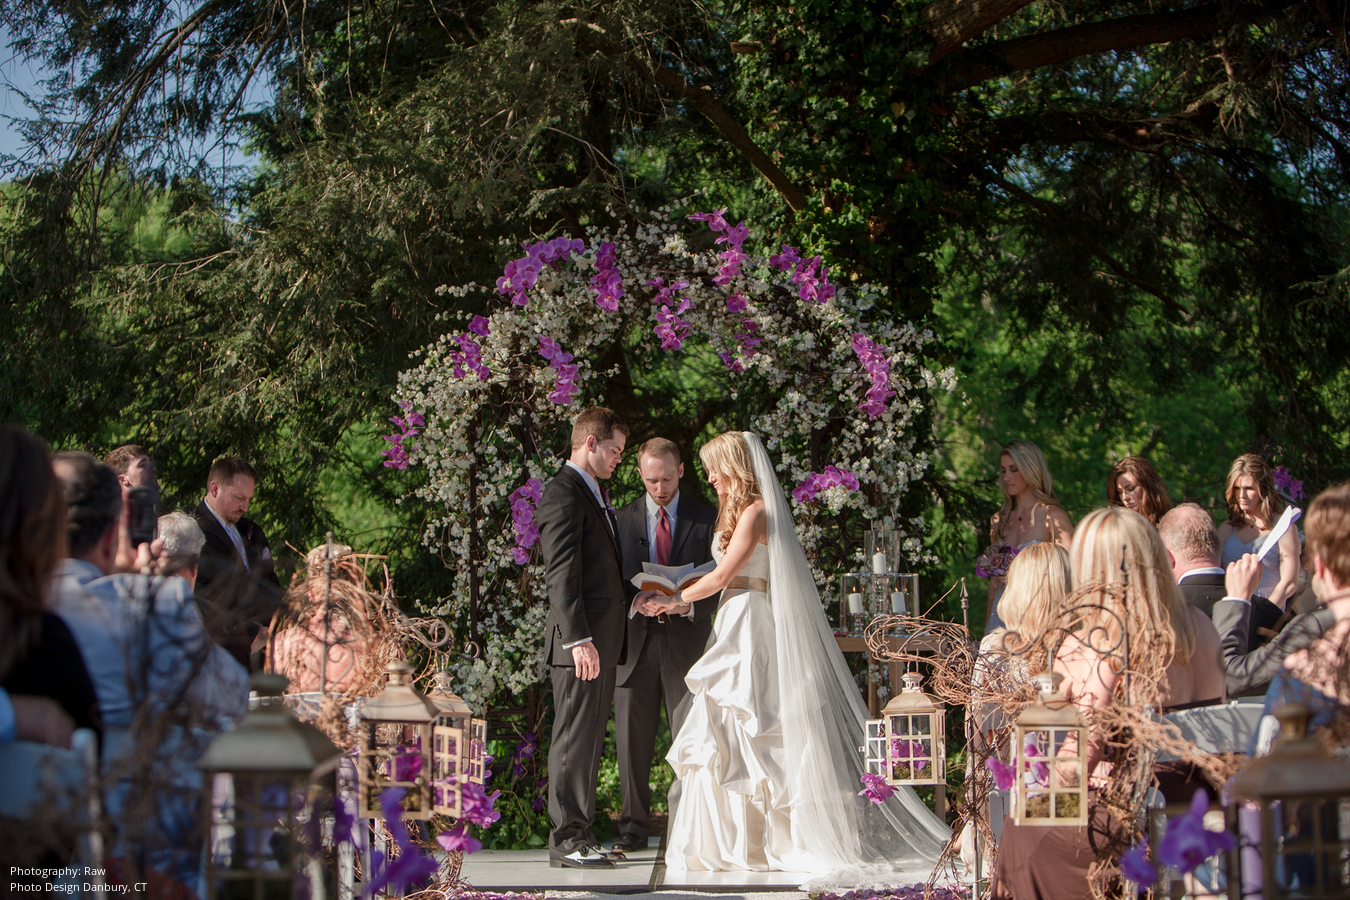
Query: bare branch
x=706 y=103
x=953 y=22
x=975 y=64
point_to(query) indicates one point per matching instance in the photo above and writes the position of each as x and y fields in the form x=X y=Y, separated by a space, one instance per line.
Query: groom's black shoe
x=585 y=858
x=627 y=843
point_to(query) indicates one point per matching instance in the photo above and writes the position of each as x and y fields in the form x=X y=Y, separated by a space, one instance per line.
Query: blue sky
x=16 y=76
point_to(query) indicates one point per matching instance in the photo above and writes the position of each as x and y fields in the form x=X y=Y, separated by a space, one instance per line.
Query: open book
x=669 y=579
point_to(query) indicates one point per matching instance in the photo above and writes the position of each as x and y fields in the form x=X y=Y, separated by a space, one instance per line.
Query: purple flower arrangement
x=812 y=283
x=1286 y=484
x=733 y=257
x=524 y=501
x=607 y=282
x=815 y=483
x=995 y=561
x=566 y=389
x=520 y=275
x=878 y=368
x=396 y=453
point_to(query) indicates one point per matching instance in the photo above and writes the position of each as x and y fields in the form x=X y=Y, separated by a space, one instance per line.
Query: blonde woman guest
x=1254 y=511
x=1135 y=484
x=1030 y=513
x=766 y=762
x=1038 y=582
x=1052 y=862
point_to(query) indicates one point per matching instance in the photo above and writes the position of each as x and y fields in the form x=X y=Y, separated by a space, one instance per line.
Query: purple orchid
x=878 y=368
x=737 y=303
x=1187 y=842
x=786 y=260
x=397 y=453
x=1136 y=866
x=520 y=275
x=1003 y=773
x=1287 y=484
x=477 y=805
x=459 y=839
x=830 y=477
x=410 y=867
x=479 y=326
x=875 y=788
x=407 y=763
x=733 y=257
x=566 y=389
x=524 y=500
x=607 y=282
x=1040 y=771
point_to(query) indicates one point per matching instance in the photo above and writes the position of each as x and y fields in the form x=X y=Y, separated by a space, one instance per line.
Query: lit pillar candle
x=879 y=562
x=897 y=601
x=855 y=604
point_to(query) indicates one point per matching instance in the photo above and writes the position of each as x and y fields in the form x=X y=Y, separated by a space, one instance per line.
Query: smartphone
x=142 y=521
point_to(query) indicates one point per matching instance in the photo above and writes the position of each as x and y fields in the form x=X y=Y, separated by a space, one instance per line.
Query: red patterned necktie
x=662 y=537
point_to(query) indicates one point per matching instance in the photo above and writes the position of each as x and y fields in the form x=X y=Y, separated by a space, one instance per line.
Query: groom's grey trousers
x=580 y=716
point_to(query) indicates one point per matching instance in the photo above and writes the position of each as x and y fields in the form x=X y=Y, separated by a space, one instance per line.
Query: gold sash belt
x=742 y=583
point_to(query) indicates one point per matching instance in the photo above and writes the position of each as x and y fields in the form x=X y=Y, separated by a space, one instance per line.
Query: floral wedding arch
x=830 y=384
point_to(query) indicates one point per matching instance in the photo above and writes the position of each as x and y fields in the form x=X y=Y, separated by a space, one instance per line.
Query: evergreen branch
x=1076 y=235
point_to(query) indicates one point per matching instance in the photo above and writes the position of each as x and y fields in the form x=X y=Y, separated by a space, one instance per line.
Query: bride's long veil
x=822 y=721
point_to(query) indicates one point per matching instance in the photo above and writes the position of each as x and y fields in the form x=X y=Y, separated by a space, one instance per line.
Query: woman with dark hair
x=1134 y=484
x=1257 y=524
x=38 y=654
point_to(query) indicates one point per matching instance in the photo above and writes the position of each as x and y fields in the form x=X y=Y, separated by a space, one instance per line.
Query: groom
x=665 y=527
x=585 y=636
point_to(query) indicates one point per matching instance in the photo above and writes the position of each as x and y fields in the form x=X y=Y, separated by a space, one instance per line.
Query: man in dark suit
x=236 y=580
x=584 y=639
x=666 y=528
x=1250 y=663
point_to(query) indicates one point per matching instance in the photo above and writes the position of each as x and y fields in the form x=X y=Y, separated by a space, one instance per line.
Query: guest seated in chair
x=1228 y=598
x=1319 y=676
x=40 y=663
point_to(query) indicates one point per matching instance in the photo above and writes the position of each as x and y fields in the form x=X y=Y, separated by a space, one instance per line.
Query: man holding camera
x=235 y=578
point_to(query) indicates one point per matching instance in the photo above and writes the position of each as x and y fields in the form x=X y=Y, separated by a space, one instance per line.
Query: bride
x=767 y=763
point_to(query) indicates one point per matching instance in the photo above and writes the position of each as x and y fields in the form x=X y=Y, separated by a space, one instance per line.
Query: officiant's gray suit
x=661 y=651
x=585 y=601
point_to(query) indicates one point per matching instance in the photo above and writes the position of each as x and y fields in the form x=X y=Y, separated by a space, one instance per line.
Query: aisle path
x=641 y=873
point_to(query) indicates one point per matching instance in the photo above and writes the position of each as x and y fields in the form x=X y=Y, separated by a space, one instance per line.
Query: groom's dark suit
x=585 y=600
x=660 y=652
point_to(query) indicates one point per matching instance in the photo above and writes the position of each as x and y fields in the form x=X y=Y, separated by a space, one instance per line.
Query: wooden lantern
x=274 y=766
x=908 y=744
x=1050 y=760
x=458 y=748
x=396 y=746
x=1302 y=795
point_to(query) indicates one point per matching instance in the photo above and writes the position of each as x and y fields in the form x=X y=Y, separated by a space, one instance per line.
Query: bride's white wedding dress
x=767 y=763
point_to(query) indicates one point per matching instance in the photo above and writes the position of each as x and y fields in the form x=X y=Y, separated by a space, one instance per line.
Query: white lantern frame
x=908 y=744
x=1050 y=745
x=458 y=747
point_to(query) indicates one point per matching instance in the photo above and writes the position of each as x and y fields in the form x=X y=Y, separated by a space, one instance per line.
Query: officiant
x=669 y=529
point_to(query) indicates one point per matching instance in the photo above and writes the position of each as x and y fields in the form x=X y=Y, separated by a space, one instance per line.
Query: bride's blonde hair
x=728 y=457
